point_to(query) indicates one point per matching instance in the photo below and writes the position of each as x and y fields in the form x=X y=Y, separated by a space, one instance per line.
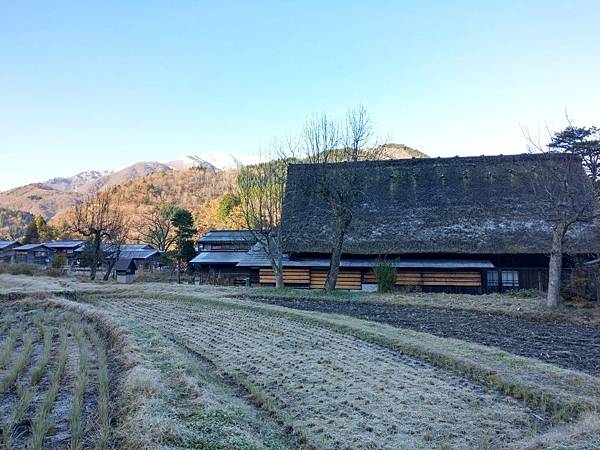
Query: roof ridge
x=517 y=157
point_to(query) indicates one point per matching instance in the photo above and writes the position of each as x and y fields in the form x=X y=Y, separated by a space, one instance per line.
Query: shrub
x=523 y=293
x=386 y=276
x=18 y=269
x=58 y=262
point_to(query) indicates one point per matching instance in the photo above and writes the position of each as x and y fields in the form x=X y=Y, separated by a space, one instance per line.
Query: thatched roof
x=471 y=205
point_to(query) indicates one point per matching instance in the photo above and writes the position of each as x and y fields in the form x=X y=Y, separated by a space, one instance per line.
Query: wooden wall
x=290 y=276
x=353 y=279
x=312 y=278
x=432 y=278
x=347 y=279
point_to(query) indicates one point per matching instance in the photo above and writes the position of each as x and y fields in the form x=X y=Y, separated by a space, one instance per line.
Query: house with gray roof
x=69 y=249
x=219 y=252
x=145 y=256
x=7 y=250
x=38 y=254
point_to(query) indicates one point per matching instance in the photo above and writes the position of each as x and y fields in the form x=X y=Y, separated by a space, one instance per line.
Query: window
x=510 y=278
x=492 y=278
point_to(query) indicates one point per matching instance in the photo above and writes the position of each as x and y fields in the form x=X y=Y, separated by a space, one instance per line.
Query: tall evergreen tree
x=31 y=234
x=183 y=222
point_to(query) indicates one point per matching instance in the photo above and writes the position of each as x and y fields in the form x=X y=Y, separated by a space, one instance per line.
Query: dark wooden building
x=7 y=250
x=471 y=224
x=37 y=254
x=125 y=270
x=69 y=249
x=219 y=252
x=145 y=256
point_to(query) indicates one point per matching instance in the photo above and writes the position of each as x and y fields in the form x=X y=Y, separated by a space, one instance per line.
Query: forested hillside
x=13 y=223
x=207 y=194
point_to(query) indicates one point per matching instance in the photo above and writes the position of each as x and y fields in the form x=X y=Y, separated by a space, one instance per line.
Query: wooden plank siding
x=431 y=278
x=290 y=276
x=347 y=279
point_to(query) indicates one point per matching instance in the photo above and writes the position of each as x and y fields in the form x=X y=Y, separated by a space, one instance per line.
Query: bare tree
x=156 y=228
x=260 y=189
x=99 y=220
x=113 y=246
x=333 y=148
x=566 y=200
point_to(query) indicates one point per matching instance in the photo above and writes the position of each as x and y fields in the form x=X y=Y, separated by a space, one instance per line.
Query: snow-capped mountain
x=210 y=160
x=221 y=160
x=74 y=182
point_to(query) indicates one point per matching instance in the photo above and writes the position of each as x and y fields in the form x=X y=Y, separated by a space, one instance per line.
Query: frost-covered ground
x=211 y=367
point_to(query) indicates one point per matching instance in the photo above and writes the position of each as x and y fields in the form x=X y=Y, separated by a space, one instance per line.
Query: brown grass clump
x=42 y=422
x=37 y=382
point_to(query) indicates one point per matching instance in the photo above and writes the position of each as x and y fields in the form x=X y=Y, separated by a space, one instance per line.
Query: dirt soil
x=566 y=345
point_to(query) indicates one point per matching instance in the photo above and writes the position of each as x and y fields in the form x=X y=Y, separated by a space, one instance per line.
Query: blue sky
x=99 y=85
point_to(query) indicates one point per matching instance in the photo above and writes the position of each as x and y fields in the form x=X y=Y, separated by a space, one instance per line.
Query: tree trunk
x=555 y=266
x=96 y=259
x=275 y=259
x=178 y=269
x=279 y=284
x=336 y=253
x=111 y=264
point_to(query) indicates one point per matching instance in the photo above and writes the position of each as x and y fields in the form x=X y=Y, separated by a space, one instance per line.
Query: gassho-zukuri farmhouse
x=462 y=224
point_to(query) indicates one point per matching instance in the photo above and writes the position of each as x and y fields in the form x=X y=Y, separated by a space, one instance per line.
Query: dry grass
x=42 y=422
x=167 y=399
x=518 y=305
x=35 y=384
x=338 y=382
x=76 y=416
x=335 y=390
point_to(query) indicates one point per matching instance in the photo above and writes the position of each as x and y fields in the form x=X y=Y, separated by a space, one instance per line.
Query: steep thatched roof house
x=472 y=224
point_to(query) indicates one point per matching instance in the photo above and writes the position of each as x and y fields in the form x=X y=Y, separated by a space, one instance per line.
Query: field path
x=566 y=345
x=336 y=390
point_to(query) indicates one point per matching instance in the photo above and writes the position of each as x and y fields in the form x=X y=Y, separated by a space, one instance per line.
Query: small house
x=125 y=270
x=7 y=250
x=38 y=254
x=219 y=252
x=69 y=249
x=145 y=256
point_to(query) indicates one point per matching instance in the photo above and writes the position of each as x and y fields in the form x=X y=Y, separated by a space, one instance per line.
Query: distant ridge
x=57 y=195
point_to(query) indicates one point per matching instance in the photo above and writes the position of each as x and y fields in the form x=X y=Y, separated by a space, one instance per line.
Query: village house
x=69 y=249
x=125 y=270
x=38 y=254
x=219 y=252
x=470 y=225
x=7 y=250
x=145 y=256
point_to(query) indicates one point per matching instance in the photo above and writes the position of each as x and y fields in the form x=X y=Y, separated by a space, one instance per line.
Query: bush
x=386 y=276
x=524 y=293
x=19 y=269
x=58 y=262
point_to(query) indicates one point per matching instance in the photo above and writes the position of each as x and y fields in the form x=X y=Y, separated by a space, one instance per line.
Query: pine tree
x=183 y=221
x=31 y=234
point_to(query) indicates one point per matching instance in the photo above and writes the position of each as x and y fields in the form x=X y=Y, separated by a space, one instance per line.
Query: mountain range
x=57 y=195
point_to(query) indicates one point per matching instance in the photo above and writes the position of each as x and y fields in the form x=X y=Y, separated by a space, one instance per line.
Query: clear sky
x=100 y=85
